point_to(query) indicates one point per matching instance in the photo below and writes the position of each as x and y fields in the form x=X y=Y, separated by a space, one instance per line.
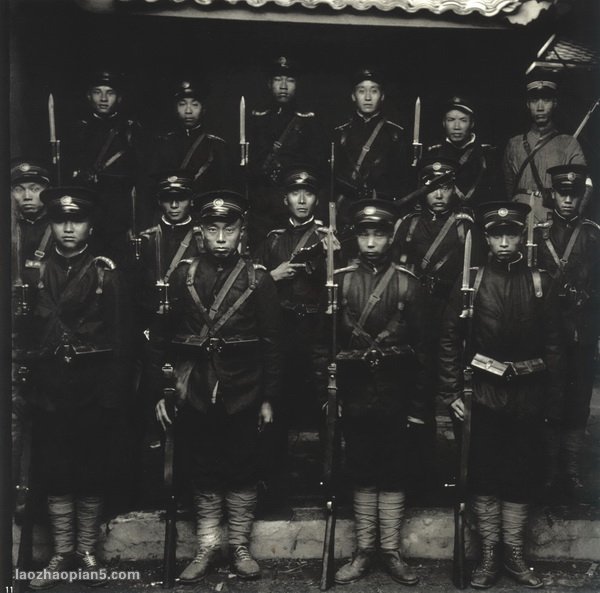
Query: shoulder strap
x=394 y=322
x=438 y=240
x=178 y=255
x=477 y=283
x=466 y=197
x=109 y=139
x=220 y=297
x=537 y=283
x=303 y=241
x=190 y=153
x=529 y=159
x=366 y=147
x=40 y=252
x=277 y=145
x=376 y=295
x=561 y=262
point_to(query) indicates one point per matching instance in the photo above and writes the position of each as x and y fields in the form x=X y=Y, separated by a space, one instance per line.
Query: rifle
x=54 y=143
x=417 y=145
x=327 y=572
x=586 y=118
x=135 y=239
x=170 y=549
x=21 y=289
x=244 y=153
x=162 y=285
x=459 y=567
x=531 y=246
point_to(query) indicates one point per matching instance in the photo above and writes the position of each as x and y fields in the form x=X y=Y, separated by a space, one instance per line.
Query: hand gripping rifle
x=327 y=572
x=459 y=567
x=170 y=550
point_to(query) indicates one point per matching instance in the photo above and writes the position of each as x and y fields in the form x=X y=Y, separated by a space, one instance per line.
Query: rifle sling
x=466 y=197
x=562 y=262
x=438 y=240
x=109 y=140
x=529 y=159
x=376 y=295
x=366 y=148
x=190 y=153
x=278 y=144
x=40 y=252
x=303 y=241
x=185 y=243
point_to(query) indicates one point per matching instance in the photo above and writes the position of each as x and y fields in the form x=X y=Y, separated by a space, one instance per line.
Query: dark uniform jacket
x=384 y=168
x=204 y=156
x=476 y=177
x=396 y=383
x=510 y=324
x=416 y=235
x=578 y=278
x=282 y=137
x=162 y=248
x=36 y=238
x=246 y=371
x=303 y=292
x=78 y=316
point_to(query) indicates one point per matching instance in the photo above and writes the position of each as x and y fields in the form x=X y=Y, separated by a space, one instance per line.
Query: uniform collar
x=367 y=118
x=41 y=216
x=565 y=221
x=509 y=266
x=468 y=142
x=300 y=225
x=535 y=130
x=431 y=215
x=173 y=225
x=225 y=263
x=71 y=260
x=107 y=118
x=189 y=131
x=377 y=268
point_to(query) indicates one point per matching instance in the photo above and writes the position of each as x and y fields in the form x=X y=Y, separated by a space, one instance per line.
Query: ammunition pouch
x=374 y=356
x=508 y=370
x=193 y=345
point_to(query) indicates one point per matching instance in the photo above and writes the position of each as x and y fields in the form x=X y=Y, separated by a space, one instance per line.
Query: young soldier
x=76 y=357
x=190 y=147
x=280 y=137
x=515 y=351
x=568 y=246
x=224 y=330
x=370 y=150
x=430 y=242
x=528 y=156
x=105 y=151
x=27 y=180
x=474 y=182
x=379 y=380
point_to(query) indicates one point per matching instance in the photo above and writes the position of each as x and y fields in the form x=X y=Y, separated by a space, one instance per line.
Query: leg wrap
x=489 y=518
x=241 y=507
x=391 y=514
x=61 y=510
x=208 y=507
x=365 y=517
x=89 y=509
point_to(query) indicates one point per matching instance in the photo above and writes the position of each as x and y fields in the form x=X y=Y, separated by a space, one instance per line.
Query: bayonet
x=417 y=145
x=244 y=145
x=54 y=142
x=466 y=289
x=585 y=120
x=531 y=246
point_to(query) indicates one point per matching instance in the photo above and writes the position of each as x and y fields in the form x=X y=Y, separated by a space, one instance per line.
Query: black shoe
x=355 y=569
x=487 y=570
x=200 y=566
x=58 y=563
x=243 y=564
x=397 y=568
x=93 y=574
x=515 y=566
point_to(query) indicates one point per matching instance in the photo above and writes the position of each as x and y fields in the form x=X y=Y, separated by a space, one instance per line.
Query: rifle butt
x=170 y=550
x=328 y=564
x=459 y=566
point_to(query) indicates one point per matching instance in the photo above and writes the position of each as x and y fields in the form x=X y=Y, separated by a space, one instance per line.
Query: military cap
x=189 y=88
x=493 y=214
x=433 y=166
x=461 y=104
x=300 y=176
x=373 y=211
x=78 y=203
x=26 y=170
x=542 y=82
x=568 y=178
x=106 y=78
x=174 y=183
x=222 y=204
x=283 y=66
x=367 y=74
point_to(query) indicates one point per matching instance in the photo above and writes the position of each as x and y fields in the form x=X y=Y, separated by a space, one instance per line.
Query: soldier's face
x=27 y=197
x=176 y=210
x=541 y=109
x=283 y=88
x=221 y=238
x=301 y=203
x=71 y=235
x=438 y=200
x=367 y=96
x=504 y=242
x=458 y=125
x=567 y=204
x=104 y=100
x=373 y=241
x=189 y=111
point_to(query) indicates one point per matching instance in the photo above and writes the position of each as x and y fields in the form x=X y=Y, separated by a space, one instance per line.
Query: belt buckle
x=213 y=345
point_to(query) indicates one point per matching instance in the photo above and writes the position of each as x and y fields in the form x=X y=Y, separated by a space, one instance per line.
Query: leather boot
x=365 y=526
x=208 y=507
x=241 y=507
x=89 y=509
x=514 y=519
x=488 y=511
x=391 y=513
x=61 y=510
x=573 y=444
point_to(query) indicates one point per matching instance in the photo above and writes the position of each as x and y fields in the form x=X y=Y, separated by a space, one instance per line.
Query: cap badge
x=503 y=212
x=66 y=201
x=571 y=176
x=218 y=202
x=185 y=84
x=436 y=166
x=172 y=179
x=282 y=61
x=302 y=177
x=370 y=210
x=25 y=167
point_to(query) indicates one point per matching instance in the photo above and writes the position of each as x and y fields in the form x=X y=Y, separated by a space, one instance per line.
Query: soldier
x=430 y=242
x=76 y=355
x=474 y=182
x=27 y=180
x=568 y=247
x=280 y=137
x=371 y=151
x=190 y=147
x=224 y=328
x=516 y=319
x=105 y=152
x=379 y=380
x=528 y=156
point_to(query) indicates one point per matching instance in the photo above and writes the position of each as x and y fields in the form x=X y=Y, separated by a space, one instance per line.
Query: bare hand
x=265 y=416
x=161 y=414
x=458 y=409
x=285 y=271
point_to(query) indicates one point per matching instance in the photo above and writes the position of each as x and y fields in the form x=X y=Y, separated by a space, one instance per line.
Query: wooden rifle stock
x=170 y=549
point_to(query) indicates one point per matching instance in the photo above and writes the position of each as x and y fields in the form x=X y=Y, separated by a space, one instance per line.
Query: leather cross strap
x=438 y=240
x=376 y=295
x=109 y=140
x=185 y=243
x=40 y=252
x=190 y=153
x=466 y=197
x=529 y=159
x=562 y=262
x=366 y=148
x=303 y=241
